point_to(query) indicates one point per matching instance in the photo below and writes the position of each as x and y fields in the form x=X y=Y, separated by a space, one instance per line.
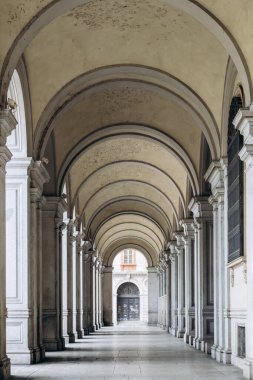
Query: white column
x=52 y=218
x=97 y=293
x=180 y=284
x=172 y=257
x=93 y=291
x=108 y=296
x=201 y=210
x=153 y=294
x=64 y=279
x=72 y=281
x=22 y=266
x=7 y=124
x=79 y=286
x=87 y=322
x=216 y=173
x=188 y=239
x=38 y=177
x=244 y=122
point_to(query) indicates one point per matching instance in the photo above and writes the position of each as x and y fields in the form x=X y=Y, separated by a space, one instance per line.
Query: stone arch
x=55 y=9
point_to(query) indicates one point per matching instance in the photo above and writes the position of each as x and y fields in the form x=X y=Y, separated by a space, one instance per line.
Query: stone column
x=93 y=291
x=100 y=314
x=64 y=278
x=153 y=294
x=168 y=290
x=188 y=240
x=7 y=124
x=38 y=177
x=87 y=322
x=79 y=286
x=107 y=296
x=173 y=286
x=97 y=293
x=72 y=281
x=216 y=175
x=52 y=218
x=202 y=213
x=244 y=122
x=180 y=284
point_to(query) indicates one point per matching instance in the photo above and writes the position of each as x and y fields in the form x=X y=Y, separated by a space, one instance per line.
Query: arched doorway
x=128 y=302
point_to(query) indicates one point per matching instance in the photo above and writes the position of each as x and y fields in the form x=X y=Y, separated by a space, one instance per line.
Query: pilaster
x=217 y=177
x=72 y=260
x=173 y=286
x=188 y=240
x=7 y=124
x=202 y=213
x=52 y=219
x=179 y=248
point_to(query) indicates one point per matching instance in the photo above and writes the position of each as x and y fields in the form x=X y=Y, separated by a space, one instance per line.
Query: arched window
x=235 y=185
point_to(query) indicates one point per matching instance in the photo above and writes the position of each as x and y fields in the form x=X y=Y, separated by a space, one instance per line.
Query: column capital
x=188 y=228
x=201 y=208
x=243 y=121
x=39 y=176
x=8 y=122
x=108 y=269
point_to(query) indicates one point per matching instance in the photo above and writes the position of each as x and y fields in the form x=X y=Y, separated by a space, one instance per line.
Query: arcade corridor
x=128 y=352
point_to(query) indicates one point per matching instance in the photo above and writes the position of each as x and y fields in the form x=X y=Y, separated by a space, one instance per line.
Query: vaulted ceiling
x=125 y=95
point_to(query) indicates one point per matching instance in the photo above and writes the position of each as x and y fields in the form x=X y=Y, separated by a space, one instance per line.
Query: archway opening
x=130 y=285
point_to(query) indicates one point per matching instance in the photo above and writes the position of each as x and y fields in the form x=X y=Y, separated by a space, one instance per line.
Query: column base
x=42 y=352
x=179 y=334
x=248 y=369
x=72 y=337
x=5 y=368
x=32 y=356
x=213 y=351
x=54 y=344
x=191 y=340
x=97 y=326
x=86 y=331
x=197 y=343
x=186 y=338
x=172 y=331
x=80 y=334
x=222 y=356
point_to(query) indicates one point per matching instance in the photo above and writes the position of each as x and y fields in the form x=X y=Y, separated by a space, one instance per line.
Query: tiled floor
x=128 y=353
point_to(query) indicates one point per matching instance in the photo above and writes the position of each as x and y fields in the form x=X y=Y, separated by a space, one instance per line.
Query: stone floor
x=128 y=352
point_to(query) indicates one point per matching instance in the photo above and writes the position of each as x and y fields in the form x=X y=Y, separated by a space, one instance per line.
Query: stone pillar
x=52 y=218
x=153 y=294
x=97 y=293
x=64 y=279
x=72 y=281
x=100 y=315
x=244 y=122
x=216 y=175
x=107 y=296
x=23 y=260
x=180 y=284
x=202 y=213
x=7 y=124
x=79 y=286
x=173 y=286
x=188 y=240
x=87 y=303
x=93 y=291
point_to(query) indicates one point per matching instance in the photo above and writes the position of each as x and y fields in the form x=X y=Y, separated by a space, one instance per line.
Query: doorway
x=128 y=302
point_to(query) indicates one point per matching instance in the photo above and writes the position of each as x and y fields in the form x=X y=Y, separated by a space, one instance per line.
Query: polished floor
x=128 y=352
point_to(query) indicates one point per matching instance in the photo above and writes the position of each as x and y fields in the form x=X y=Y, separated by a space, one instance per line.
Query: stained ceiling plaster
x=121 y=32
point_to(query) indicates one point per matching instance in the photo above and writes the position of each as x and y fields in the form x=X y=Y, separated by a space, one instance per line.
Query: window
x=235 y=185
x=128 y=256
